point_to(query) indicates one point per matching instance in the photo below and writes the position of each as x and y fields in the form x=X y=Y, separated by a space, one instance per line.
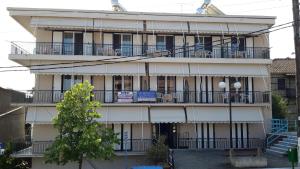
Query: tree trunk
x=80 y=162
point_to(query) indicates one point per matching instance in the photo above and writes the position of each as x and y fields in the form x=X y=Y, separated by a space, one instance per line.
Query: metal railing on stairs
x=279 y=126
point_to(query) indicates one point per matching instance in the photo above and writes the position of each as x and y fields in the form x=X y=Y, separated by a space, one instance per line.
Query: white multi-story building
x=154 y=73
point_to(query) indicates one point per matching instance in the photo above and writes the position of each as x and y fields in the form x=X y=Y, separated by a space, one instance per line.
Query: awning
x=61 y=22
x=130 y=69
x=224 y=28
x=170 y=69
x=44 y=115
x=221 y=115
x=167 y=115
x=127 y=25
x=124 y=115
x=245 y=70
x=164 y=26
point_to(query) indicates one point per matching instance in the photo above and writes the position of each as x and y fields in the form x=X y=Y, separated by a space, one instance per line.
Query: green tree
x=279 y=106
x=159 y=151
x=80 y=135
x=8 y=162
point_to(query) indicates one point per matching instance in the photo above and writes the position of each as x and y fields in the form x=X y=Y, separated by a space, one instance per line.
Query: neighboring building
x=165 y=82
x=12 y=119
x=283 y=75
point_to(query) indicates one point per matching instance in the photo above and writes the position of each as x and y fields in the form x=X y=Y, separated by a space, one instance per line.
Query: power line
x=143 y=55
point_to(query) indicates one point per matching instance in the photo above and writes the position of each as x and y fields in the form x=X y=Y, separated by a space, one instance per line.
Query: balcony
x=126 y=97
x=91 y=49
x=38 y=148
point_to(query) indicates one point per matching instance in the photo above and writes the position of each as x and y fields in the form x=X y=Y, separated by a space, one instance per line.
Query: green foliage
x=80 y=135
x=279 y=107
x=8 y=162
x=159 y=151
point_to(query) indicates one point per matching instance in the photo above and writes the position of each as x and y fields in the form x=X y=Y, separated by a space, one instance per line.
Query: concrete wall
x=44 y=82
x=139 y=132
x=43 y=35
x=118 y=162
x=12 y=125
x=43 y=132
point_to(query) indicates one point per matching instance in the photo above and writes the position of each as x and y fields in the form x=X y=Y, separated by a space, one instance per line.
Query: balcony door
x=165 y=43
x=122 y=44
x=73 y=43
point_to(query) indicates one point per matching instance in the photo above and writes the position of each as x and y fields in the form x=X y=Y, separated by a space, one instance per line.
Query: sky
x=281 y=42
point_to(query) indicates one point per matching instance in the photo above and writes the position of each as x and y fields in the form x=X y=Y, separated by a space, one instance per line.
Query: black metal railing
x=54 y=48
x=210 y=97
x=220 y=143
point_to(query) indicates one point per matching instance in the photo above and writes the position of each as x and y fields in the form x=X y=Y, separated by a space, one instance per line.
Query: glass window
x=117 y=83
x=161 y=84
x=160 y=43
x=128 y=83
x=144 y=83
x=66 y=82
x=238 y=43
x=281 y=84
x=126 y=45
x=199 y=43
x=171 y=80
x=242 y=80
x=68 y=43
x=78 y=79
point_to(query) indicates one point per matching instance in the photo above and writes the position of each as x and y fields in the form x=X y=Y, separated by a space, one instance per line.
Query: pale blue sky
x=281 y=41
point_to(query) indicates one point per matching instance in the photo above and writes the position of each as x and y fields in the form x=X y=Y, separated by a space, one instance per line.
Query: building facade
x=283 y=80
x=154 y=73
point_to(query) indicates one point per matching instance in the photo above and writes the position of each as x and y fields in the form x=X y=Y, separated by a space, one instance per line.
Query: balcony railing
x=54 y=96
x=92 y=49
x=142 y=145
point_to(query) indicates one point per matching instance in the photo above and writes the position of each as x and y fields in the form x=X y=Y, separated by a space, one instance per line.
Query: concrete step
x=283 y=145
x=275 y=152
x=290 y=139
x=284 y=150
x=288 y=143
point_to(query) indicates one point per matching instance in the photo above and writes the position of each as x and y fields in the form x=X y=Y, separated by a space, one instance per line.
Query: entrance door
x=169 y=130
x=78 y=44
x=170 y=44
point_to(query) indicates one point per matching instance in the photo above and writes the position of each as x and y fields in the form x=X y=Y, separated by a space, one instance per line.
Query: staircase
x=283 y=143
x=280 y=140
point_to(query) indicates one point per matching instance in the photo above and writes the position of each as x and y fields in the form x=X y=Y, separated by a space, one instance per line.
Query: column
x=87 y=77
x=209 y=89
x=250 y=90
x=57 y=88
x=118 y=129
x=204 y=90
x=153 y=83
x=179 y=88
x=108 y=89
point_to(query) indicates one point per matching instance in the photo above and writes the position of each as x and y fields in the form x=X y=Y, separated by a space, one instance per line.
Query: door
x=169 y=131
x=126 y=45
x=186 y=93
x=78 y=44
x=117 y=43
x=170 y=44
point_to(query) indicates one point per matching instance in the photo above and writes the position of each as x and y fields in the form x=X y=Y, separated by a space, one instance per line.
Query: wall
x=43 y=132
x=137 y=131
x=44 y=82
x=43 y=35
x=118 y=162
x=12 y=125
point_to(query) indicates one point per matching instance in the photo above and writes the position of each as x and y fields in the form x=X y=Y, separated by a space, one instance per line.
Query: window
x=171 y=80
x=68 y=43
x=117 y=83
x=161 y=84
x=281 y=84
x=144 y=83
x=161 y=43
x=68 y=81
x=203 y=43
x=128 y=83
x=238 y=43
x=123 y=83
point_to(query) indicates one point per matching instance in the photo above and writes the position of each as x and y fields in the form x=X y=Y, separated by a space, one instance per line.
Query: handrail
x=277 y=134
x=171 y=160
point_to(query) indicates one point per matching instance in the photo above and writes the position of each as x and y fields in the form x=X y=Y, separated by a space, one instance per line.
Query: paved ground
x=209 y=159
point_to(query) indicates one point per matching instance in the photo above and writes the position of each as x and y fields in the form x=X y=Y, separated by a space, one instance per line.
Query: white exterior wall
x=108 y=88
x=153 y=83
x=43 y=35
x=107 y=38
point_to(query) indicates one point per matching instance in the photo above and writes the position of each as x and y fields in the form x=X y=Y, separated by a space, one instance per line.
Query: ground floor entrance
x=169 y=131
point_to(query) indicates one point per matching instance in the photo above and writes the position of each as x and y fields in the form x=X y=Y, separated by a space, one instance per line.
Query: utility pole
x=297 y=52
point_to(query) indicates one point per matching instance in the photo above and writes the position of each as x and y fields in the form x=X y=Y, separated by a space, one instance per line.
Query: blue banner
x=146 y=96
